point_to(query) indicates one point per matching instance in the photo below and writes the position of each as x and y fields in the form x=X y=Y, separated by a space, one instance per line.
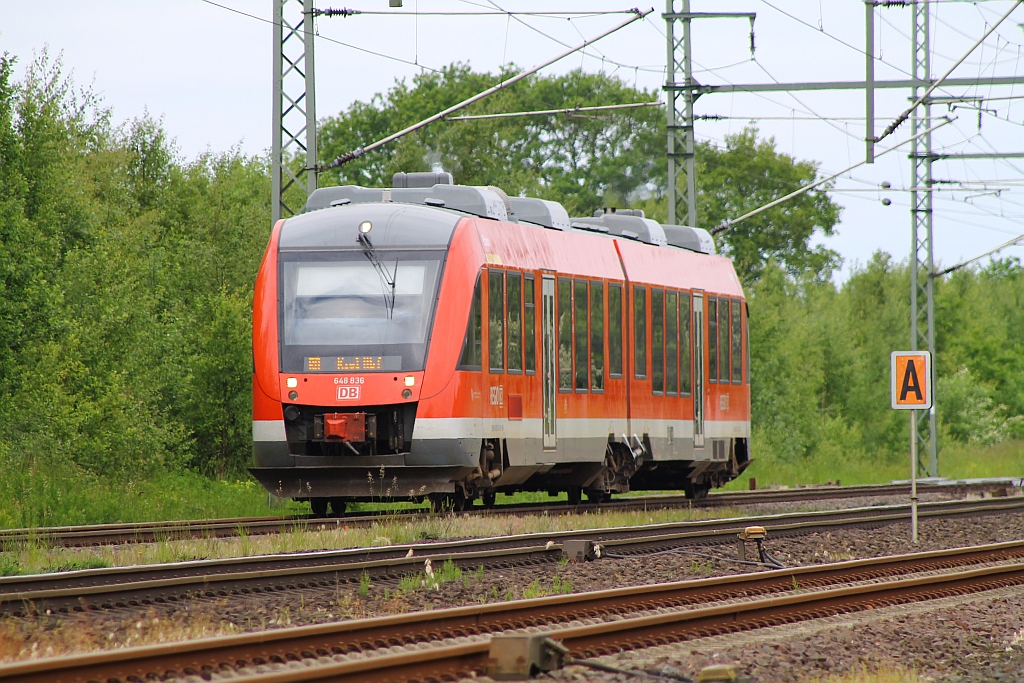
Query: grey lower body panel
x=359 y=482
x=272 y=454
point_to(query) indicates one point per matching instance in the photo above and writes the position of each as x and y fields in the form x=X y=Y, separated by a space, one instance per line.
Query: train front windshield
x=348 y=312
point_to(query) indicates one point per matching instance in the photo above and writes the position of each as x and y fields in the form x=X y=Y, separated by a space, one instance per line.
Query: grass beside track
x=47 y=494
x=956 y=461
x=30 y=557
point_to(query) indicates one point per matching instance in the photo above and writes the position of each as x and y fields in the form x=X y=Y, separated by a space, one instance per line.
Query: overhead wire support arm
x=331 y=12
x=356 y=153
x=541 y=112
x=729 y=223
x=851 y=85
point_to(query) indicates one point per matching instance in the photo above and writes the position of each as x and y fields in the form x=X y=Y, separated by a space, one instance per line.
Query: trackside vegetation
x=126 y=275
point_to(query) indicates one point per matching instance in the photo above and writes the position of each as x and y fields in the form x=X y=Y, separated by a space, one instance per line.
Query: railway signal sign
x=911 y=385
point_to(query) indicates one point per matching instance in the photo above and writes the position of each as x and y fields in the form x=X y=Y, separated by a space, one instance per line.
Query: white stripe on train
x=439 y=428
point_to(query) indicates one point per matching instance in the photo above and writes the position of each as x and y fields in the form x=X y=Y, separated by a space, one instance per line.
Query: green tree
x=574 y=158
x=749 y=173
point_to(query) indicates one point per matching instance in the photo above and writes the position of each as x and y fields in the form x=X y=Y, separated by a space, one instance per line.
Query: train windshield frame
x=357 y=311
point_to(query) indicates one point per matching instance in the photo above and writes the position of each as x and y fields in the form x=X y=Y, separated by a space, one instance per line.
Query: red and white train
x=445 y=341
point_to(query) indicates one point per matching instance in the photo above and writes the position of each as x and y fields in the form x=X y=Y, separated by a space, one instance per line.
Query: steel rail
x=380 y=633
x=468 y=659
x=149 y=532
x=143 y=585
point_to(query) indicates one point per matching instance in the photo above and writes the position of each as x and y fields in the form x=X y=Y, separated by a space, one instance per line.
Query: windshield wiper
x=387 y=280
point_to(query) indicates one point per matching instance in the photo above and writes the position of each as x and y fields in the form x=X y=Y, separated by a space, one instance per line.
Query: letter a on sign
x=911 y=383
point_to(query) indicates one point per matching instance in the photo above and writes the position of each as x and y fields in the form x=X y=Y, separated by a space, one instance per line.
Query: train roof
x=339 y=227
x=435 y=193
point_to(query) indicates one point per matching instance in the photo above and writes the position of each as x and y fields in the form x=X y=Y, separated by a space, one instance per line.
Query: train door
x=699 y=393
x=548 y=360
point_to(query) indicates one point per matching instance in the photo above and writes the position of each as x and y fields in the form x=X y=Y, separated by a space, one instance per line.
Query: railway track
x=418 y=645
x=133 y=586
x=149 y=532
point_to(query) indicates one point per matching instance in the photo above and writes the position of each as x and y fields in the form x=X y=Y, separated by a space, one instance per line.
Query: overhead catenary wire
x=935 y=84
x=329 y=40
x=564 y=44
x=728 y=223
x=958 y=266
x=360 y=151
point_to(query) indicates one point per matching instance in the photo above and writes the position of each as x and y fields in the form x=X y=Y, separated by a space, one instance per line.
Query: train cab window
x=615 y=330
x=471 y=350
x=712 y=338
x=658 y=340
x=671 y=343
x=529 y=325
x=580 y=334
x=564 y=334
x=514 y=302
x=724 y=346
x=685 y=362
x=596 y=337
x=640 y=331
x=737 y=343
x=496 y=320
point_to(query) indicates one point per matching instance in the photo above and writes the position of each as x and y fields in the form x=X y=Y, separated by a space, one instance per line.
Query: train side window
x=496 y=320
x=529 y=325
x=564 y=334
x=581 y=334
x=514 y=301
x=615 y=330
x=737 y=343
x=672 y=343
x=596 y=337
x=724 y=346
x=685 y=362
x=712 y=339
x=640 y=331
x=471 y=350
x=658 y=340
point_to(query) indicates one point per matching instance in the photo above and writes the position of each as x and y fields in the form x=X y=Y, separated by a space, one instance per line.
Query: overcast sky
x=207 y=72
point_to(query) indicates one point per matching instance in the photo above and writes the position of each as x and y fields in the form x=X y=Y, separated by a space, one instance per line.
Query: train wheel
x=438 y=502
x=337 y=507
x=597 y=497
x=458 y=501
x=575 y=494
x=695 y=491
x=489 y=499
x=319 y=506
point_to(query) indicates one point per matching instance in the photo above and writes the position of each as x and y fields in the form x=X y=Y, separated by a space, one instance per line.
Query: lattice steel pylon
x=294 y=134
x=922 y=264
x=680 y=112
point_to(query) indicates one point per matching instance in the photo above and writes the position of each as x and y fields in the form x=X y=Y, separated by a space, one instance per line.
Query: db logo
x=348 y=393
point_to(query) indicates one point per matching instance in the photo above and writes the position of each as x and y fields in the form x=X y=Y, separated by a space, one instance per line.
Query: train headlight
x=406 y=393
x=410 y=381
x=292 y=382
x=365 y=227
